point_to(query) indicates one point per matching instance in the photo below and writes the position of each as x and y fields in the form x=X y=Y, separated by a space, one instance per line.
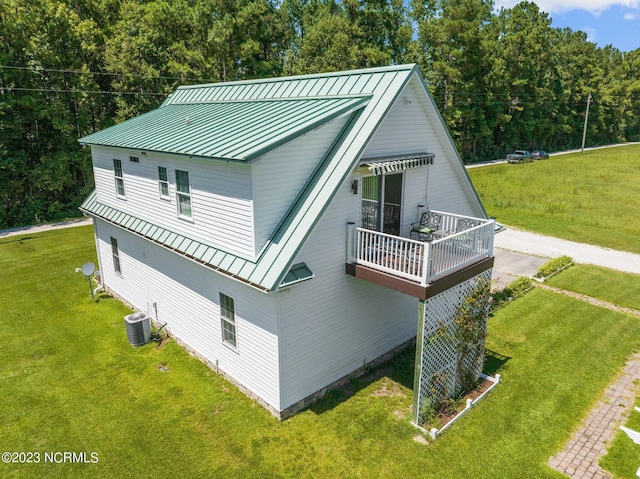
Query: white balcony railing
x=420 y=261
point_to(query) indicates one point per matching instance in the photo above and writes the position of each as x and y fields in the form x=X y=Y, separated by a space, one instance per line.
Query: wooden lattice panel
x=440 y=355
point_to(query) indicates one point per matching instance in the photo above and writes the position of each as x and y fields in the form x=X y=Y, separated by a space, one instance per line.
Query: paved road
x=38 y=228
x=503 y=160
x=539 y=245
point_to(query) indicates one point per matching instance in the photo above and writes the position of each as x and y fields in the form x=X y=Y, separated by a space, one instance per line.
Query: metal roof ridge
x=391 y=68
x=278 y=99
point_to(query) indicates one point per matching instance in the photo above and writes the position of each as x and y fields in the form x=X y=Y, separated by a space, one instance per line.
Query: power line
x=80 y=72
x=4 y=90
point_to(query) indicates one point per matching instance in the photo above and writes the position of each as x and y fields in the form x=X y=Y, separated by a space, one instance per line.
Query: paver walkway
x=580 y=458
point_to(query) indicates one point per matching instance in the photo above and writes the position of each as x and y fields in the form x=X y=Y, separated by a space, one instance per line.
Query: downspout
x=100 y=287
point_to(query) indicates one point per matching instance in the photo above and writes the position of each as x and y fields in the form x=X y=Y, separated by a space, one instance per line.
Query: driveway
x=521 y=253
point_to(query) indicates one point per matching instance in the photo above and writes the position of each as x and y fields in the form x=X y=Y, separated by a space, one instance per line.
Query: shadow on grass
x=493 y=361
x=399 y=369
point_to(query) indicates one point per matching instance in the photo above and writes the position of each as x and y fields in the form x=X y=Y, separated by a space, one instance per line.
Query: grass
x=574 y=196
x=623 y=455
x=622 y=289
x=71 y=382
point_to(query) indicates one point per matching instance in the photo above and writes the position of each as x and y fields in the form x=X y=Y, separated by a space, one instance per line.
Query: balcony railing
x=421 y=261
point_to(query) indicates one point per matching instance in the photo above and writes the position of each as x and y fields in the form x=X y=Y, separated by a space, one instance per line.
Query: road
x=557 y=153
x=38 y=228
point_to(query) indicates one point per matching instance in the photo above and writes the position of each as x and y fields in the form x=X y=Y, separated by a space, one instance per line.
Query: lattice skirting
x=441 y=364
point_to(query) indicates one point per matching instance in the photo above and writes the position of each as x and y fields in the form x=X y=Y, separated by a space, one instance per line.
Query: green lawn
x=575 y=196
x=623 y=289
x=615 y=287
x=71 y=382
x=623 y=455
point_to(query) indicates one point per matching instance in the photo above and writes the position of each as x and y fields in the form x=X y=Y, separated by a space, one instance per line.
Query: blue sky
x=606 y=22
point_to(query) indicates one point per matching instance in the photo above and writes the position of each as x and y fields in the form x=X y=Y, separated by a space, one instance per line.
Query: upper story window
x=163 y=182
x=117 y=173
x=183 y=193
x=134 y=159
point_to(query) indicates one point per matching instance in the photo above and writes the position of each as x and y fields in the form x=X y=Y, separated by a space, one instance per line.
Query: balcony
x=411 y=265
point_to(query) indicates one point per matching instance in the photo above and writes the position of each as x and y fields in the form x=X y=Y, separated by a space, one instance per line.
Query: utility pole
x=586 y=119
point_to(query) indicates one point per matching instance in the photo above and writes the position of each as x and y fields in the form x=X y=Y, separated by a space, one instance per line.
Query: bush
x=552 y=267
x=517 y=288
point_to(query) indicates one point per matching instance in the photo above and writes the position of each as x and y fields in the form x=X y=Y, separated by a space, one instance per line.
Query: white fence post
x=351 y=231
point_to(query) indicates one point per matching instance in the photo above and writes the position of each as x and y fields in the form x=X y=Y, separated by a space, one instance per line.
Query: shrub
x=517 y=288
x=552 y=267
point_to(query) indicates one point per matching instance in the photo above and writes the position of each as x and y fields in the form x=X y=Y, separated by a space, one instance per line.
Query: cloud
x=631 y=16
x=559 y=6
x=591 y=33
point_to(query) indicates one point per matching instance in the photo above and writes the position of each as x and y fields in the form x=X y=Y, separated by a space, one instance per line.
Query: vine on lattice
x=453 y=346
x=470 y=331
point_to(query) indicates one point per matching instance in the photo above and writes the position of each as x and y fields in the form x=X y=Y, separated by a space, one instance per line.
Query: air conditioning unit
x=138 y=327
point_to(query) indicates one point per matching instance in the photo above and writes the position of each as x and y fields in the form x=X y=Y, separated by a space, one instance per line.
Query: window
x=117 y=173
x=163 y=182
x=116 y=255
x=134 y=159
x=228 y=320
x=183 y=193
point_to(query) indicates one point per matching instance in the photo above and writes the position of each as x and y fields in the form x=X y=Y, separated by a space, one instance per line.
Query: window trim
x=226 y=320
x=165 y=182
x=118 y=175
x=115 y=254
x=183 y=194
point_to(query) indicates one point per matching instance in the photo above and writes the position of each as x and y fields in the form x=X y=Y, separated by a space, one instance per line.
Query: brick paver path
x=580 y=458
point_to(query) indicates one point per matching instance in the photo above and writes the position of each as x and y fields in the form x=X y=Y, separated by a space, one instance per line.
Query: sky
x=606 y=22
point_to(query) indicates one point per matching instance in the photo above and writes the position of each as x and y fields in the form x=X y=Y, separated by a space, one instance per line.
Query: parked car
x=519 y=156
x=540 y=155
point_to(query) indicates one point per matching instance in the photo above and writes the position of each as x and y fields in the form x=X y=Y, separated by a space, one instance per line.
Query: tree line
x=501 y=79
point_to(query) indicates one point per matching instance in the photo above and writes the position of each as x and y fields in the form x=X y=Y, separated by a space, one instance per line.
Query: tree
x=451 y=48
x=44 y=106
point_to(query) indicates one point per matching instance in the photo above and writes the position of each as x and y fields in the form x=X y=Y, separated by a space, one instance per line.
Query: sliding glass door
x=382 y=203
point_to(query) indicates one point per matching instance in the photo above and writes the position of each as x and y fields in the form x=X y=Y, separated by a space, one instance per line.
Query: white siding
x=186 y=297
x=281 y=174
x=334 y=323
x=220 y=195
x=412 y=126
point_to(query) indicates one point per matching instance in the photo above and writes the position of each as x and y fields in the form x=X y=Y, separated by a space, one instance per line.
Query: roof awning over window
x=380 y=166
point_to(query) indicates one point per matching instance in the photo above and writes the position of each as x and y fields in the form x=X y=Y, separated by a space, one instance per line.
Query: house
x=267 y=224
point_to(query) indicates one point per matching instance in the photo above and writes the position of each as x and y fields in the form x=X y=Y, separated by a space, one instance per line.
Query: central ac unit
x=138 y=327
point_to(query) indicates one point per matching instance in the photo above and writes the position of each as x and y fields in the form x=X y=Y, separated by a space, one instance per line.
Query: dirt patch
x=421 y=439
x=388 y=389
x=163 y=343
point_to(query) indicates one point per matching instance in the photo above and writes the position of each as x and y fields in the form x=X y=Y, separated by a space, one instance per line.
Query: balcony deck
x=463 y=242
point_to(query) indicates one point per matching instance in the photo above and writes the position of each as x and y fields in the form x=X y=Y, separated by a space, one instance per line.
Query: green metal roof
x=231 y=130
x=367 y=95
x=192 y=248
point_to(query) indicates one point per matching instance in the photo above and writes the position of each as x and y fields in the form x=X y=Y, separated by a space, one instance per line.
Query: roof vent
x=187 y=122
